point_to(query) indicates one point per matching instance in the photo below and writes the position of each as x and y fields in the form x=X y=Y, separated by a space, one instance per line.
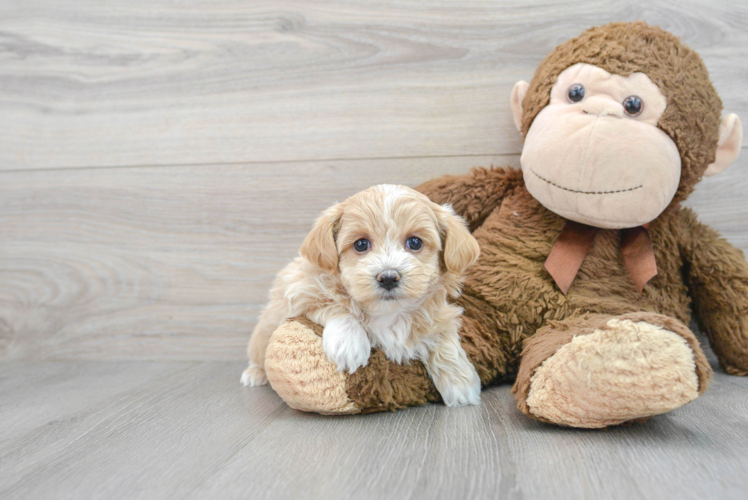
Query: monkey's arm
x=475 y=195
x=717 y=276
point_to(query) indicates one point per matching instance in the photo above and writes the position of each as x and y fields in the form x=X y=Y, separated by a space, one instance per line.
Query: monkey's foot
x=598 y=371
x=300 y=372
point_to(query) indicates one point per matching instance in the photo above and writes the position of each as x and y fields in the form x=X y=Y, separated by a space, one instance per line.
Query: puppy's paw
x=254 y=375
x=454 y=395
x=459 y=390
x=346 y=344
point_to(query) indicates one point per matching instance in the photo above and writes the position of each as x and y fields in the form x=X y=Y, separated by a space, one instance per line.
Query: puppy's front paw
x=254 y=375
x=461 y=395
x=460 y=389
x=346 y=344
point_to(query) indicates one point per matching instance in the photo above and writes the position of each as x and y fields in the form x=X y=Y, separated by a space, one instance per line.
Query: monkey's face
x=595 y=155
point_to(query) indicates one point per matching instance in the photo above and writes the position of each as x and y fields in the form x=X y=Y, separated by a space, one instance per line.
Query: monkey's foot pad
x=625 y=371
x=299 y=371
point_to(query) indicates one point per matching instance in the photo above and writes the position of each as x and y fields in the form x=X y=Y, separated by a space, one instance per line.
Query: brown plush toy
x=589 y=264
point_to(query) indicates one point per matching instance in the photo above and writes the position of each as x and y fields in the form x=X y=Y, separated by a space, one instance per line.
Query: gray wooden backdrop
x=161 y=161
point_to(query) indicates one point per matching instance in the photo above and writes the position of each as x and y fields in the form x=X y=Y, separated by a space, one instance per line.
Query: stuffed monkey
x=590 y=267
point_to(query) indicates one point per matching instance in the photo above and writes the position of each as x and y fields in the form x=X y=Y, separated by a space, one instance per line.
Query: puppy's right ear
x=319 y=246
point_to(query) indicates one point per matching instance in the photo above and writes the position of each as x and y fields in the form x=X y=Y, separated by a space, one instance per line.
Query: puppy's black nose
x=388 y=279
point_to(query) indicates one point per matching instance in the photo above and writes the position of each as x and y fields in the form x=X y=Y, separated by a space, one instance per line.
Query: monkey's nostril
x=600 y=106
x=388 y=279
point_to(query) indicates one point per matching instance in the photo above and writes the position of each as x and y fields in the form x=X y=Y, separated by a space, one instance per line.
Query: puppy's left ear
x=461 y=249
x=319 y=247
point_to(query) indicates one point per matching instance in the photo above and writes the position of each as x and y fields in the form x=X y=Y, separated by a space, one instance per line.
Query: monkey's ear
x=319 y=246
x=461 y=249
x=728 y=147
x=518 y=95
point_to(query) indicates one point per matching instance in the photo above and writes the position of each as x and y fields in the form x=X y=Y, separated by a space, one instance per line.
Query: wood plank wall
x=161 y=161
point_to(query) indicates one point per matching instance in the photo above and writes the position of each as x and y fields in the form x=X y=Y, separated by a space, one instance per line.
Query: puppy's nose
x=388 y=279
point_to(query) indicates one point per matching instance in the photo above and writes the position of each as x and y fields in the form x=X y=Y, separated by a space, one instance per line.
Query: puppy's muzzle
x=388 y=279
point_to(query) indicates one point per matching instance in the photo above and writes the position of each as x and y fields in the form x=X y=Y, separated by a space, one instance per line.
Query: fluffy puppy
x=376 y=271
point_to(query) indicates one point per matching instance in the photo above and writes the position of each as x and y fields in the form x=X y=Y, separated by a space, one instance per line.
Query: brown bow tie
x=575 y=240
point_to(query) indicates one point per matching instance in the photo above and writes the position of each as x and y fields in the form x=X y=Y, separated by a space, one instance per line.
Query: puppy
x=376 y=271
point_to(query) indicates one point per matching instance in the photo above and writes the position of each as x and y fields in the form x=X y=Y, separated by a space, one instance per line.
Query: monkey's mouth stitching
x=583 y=192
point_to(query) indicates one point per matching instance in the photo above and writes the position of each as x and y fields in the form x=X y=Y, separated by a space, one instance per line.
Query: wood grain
x=163 y=263
x=176 y=262
x=188 y=430
x=143 y=82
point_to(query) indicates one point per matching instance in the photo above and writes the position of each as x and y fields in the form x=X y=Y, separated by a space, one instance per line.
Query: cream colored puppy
x=377 y=271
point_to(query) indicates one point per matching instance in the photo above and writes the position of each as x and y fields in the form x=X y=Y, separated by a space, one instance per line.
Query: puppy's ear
x=319 y=246
x=461 y=250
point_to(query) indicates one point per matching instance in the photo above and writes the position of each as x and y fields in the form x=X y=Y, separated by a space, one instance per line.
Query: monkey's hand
x=717 y=276
x=475 y=195
x=740 y=368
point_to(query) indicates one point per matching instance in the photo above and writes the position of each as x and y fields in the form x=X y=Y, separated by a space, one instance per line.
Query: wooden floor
x=160 y=161
x=179 y=429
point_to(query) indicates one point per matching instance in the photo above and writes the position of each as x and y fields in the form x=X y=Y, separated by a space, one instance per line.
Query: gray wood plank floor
x=140 y=429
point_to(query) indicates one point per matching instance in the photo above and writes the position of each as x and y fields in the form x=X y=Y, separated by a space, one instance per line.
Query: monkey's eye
x=414 y=243
x=633 y=105
x=361 y=245
x=576 y=93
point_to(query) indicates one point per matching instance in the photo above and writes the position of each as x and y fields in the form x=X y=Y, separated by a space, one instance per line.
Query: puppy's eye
x=361 y=245
x=575 y=93
x=414 y=243
x=633 y=105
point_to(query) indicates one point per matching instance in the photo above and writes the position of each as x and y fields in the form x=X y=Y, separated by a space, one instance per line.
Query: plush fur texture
x=515 y=317
x=308 y=381
x=299 y=369
x=575 y=163
x=613 y=376
x=694 y=108
x=593 y=371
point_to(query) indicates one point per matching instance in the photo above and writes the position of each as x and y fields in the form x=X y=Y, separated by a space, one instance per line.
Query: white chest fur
x=392 y=333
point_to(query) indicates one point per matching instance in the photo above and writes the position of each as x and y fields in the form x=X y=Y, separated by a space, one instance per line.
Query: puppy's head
x=392 y=247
